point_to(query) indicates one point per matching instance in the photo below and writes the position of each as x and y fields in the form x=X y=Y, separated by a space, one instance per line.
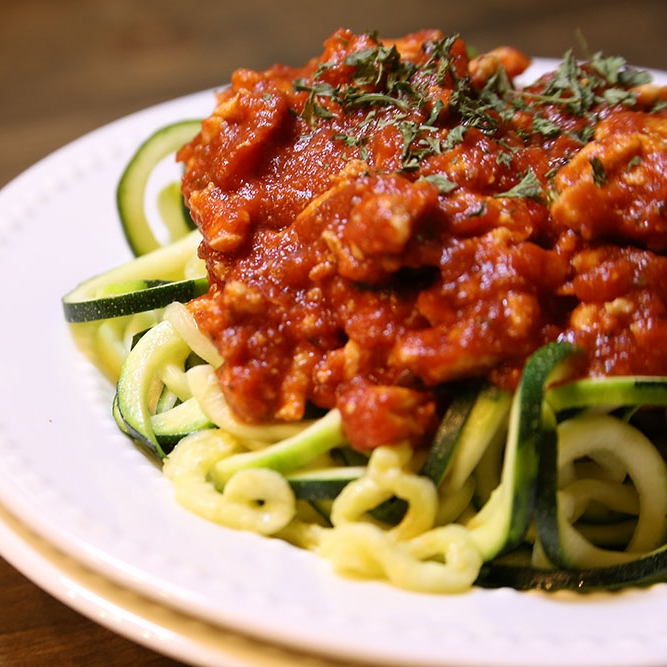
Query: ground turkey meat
x=395 y=217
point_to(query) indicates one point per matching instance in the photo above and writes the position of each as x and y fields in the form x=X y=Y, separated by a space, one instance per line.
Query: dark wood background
x=69 y=66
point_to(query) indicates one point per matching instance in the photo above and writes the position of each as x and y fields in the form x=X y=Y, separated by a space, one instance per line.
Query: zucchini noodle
x=611 y=505
x=561 y=483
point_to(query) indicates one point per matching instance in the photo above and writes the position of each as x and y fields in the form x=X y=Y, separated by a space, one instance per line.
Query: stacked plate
x=88 y=517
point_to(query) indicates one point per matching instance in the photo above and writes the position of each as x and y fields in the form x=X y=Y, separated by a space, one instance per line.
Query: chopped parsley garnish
x=529 y=187
x=634 y=162
x=599 y=172
x=454 y=137
x=504 y=158
x=546 y=127
x=578 y=87
x=615 y=70
x=378 y=64
x=313 y=109
x=569 y=88
x=480 y=211
x=397 y=92
x=441 y=182
x=352 y=141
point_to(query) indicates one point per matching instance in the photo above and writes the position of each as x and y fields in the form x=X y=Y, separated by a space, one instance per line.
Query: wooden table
x=69 y=66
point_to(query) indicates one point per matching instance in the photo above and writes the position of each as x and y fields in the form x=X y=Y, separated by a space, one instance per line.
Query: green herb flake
x=454 y=137
x=480 y=211
x=616 y=71
x=444 y=185
x=529 y=187
x=634 y=162
x=545 y=127
x=504 y=158
x=399 y=93
x=619 y=96
x=609 y=67
x=599 y=172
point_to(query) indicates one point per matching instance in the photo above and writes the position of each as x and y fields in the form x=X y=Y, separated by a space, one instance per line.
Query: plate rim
x=120 y=572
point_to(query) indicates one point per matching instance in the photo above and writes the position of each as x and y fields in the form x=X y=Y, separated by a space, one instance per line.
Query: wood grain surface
x=69 y=66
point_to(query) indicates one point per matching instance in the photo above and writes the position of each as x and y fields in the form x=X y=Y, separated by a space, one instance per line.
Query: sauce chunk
x=394 y=217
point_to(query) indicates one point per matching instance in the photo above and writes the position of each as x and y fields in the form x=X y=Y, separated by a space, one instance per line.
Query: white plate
x=126 y=613
x=69 y=475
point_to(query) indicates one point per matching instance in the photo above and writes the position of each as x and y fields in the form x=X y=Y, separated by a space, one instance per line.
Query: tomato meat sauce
x=397 y=216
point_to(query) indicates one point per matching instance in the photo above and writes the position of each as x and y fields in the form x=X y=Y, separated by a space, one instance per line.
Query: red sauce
x=369 y=242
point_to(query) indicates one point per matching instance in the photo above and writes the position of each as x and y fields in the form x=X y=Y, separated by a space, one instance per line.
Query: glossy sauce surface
x=394 y=217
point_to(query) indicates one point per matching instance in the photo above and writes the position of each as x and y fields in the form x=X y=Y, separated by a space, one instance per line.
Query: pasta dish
x=409 y=315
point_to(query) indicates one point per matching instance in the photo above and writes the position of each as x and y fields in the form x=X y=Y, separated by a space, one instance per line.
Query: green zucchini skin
x=445 y=442
x=325 y=484
x=159 y=345
x=131 y=188
x=647 y=570
x=448 y=435
x=502 y=523
x=472 y=420
x=547 y=489
x=147 y=295
x=530 y=433
x=609 y=392
x=172 y=425
x=611 y=438
x=532 y=438
x=167 y=428
x=288 y=455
